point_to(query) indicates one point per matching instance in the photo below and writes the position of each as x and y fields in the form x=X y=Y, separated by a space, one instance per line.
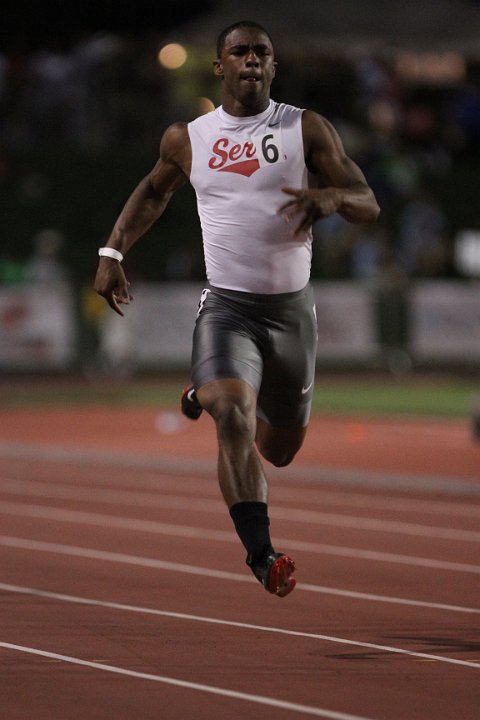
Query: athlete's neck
x=237 y=109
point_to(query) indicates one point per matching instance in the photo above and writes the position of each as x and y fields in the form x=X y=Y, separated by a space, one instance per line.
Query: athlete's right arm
x=144 y=206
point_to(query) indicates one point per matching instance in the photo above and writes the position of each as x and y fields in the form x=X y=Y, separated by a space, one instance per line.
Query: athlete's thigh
x=222 y=346
x=286 y=392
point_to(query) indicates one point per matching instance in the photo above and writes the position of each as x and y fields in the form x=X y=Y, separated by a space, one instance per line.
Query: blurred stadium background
x=86 y=91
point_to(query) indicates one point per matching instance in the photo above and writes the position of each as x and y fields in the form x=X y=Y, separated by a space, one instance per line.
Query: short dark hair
x=240 y=24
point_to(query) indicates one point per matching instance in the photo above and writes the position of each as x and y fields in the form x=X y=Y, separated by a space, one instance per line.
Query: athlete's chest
x=243 y=153
x=262 y=155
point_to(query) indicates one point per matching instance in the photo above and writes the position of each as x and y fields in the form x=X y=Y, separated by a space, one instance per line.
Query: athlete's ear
x=275 y=65
x=218 y=68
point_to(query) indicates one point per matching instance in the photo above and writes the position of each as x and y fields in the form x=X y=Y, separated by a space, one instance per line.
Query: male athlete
x=263 y=172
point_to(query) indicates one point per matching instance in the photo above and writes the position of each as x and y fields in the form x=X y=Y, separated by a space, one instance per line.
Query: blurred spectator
x=179 y=265
x=45 y=264
x=368 y=251
x=392 y=313
x=331 y=247
x=11 y=271
x=465 y=110
x=52 y=95
x=422 y=228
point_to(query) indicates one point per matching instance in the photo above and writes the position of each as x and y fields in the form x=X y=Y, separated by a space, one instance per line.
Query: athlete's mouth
x=250 y=78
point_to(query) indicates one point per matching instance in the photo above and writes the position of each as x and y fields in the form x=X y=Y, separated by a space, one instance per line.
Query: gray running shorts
x=270 y=341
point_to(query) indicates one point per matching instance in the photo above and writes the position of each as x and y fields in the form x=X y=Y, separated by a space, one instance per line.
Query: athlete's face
x=247 y=68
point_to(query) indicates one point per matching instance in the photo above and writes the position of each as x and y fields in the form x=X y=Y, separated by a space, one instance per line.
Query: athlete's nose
x=252 y=58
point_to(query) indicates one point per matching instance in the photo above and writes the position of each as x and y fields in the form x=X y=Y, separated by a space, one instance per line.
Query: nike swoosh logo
x=190 y=394
x=306 y=389
x=274 y=123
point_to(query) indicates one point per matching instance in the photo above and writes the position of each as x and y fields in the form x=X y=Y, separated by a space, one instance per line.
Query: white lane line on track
x=42 y=512
x=178 y=502
x=119 y=493
x=259 y=699
x=395 y=503
x=199 y=486
x=136 y=560
x=372 y=524
x=420 y=483
x=231 y=623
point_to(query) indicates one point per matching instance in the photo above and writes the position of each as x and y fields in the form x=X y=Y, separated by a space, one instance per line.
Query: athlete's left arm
x=345 y=189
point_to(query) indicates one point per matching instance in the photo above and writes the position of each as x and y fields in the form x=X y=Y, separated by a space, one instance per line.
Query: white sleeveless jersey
x=239 y=165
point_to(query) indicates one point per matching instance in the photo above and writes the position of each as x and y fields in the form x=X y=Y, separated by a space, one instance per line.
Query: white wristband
x=111 y=253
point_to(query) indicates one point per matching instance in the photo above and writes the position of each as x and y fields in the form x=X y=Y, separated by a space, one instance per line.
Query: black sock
x=252 y=525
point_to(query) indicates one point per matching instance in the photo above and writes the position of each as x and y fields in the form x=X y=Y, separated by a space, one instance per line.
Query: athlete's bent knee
x=279 y=457
x=283 y=460
x=279 y=445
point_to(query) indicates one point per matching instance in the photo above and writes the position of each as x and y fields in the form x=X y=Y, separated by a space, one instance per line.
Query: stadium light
x=172 y=56
x=204 y=105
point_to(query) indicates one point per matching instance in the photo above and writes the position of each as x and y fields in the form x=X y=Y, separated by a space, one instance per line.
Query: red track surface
x=120 y=507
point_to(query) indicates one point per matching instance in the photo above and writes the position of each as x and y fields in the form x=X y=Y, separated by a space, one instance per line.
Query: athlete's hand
x=111 y=283
x=310 y=205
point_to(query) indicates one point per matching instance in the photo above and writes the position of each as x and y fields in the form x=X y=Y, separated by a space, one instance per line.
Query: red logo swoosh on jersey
x=246 y=167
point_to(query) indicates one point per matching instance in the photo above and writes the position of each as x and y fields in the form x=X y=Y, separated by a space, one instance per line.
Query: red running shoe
x=191 y=408
x=275 y=573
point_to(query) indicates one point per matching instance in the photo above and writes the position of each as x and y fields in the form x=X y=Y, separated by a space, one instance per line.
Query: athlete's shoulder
x=175 y=133
x=203 y=121
x=315 y=126
x=284 y=114
x=174 y=139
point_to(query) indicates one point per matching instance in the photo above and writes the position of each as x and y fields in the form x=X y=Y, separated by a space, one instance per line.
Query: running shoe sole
x=279 y=579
